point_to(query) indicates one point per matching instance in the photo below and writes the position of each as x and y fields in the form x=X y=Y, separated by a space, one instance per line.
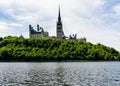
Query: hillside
x=16 y=49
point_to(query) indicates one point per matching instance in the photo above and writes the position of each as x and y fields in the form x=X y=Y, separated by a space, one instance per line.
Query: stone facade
x=40 y=33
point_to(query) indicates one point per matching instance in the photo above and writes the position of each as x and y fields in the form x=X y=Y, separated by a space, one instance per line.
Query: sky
x=97 y=20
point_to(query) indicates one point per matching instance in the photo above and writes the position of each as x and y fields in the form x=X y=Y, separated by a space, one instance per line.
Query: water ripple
x=60 y=74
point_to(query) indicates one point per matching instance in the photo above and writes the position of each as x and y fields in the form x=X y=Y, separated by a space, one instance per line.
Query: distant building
x=40 y=33
x=73 y=37
x=82 y=39
x=21 y=36
x=59 y=28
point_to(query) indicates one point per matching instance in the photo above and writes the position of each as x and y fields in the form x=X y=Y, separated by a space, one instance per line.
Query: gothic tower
x=59 y=27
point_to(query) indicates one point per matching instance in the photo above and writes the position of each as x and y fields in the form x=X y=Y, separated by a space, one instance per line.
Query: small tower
x=30 y=29
x=59 y=27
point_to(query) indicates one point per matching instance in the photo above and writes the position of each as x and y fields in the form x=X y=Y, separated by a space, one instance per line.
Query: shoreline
x=57 y=61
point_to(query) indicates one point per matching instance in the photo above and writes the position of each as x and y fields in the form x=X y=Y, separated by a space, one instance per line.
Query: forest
x=47 y=49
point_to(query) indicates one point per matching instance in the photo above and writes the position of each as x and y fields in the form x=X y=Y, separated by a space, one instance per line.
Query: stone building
x=39 y=33
x=59 y=28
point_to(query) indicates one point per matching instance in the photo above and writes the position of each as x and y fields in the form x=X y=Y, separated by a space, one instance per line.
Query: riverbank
x=57 y=61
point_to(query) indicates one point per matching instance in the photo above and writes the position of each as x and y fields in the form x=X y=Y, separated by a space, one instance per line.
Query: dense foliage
x=16 y=49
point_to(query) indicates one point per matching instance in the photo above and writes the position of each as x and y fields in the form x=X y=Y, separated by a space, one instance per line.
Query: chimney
x=38 y=28
x=30 y=27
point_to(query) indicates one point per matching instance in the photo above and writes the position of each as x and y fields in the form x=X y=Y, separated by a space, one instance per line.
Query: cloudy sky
x=97 y=20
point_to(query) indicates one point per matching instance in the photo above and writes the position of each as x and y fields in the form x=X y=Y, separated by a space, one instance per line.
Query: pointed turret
x=59 y=22
x=59 y=16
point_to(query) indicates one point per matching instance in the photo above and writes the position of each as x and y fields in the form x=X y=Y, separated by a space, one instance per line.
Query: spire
x=59 y=22
x=59 y=16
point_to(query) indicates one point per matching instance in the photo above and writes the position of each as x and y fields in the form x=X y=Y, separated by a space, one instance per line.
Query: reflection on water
x=60 y=74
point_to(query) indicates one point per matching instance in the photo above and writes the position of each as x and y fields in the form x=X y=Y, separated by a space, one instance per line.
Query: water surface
x=60 y=74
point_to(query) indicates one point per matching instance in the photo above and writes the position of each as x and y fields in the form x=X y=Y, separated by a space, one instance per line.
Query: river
x=60 y=74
